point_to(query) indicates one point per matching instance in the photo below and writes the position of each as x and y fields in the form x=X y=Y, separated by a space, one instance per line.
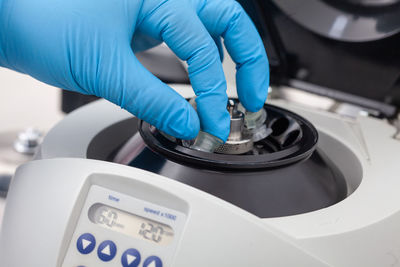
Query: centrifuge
x=320 y=189
x=314 y=182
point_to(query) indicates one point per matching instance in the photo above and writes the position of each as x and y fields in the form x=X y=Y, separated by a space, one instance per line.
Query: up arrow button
x=153 y=261
x=107 y=250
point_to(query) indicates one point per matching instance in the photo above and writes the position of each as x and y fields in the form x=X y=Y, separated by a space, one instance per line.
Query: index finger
x=228 y=19
x=177 y=23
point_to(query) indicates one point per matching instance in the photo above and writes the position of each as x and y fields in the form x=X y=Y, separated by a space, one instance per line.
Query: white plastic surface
x=363 y=229
x=46 y=196
x=24 y=102
x=359 y=231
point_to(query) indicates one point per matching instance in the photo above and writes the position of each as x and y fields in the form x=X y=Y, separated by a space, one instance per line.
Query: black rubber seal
x=300 y=150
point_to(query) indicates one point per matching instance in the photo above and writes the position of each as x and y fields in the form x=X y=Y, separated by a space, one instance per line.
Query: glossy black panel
x=346 y=20
x=365 y=69
x=277 y=150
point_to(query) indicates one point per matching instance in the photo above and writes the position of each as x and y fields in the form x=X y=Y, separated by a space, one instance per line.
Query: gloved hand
x=86 y=46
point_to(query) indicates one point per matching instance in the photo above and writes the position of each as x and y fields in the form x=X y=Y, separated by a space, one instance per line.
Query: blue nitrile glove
x=85 y=46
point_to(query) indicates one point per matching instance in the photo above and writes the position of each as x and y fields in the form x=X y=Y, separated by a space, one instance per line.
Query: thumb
x=128 y=84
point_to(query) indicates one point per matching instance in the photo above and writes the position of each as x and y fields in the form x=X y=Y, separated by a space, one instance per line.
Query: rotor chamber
x=281 y=174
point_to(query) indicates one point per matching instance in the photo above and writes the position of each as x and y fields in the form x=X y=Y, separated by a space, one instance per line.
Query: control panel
x=115 y=229
x=100 y=214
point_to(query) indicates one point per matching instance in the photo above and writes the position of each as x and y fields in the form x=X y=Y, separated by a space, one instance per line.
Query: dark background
x=367 y=69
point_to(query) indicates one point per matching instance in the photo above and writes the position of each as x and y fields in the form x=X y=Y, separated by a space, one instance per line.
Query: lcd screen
x=131 y=224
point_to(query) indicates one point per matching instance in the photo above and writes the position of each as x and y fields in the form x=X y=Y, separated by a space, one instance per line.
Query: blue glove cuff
x=2 y=37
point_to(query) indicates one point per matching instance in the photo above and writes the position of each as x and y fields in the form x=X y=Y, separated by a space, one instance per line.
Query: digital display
x=131 y=224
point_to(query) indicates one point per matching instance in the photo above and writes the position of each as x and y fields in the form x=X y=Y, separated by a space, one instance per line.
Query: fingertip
x=192 y=126
x=252 y=89
x=252 y=79
x=224 y=133
x=183 y=122
x=213 y=114
x=256 y=103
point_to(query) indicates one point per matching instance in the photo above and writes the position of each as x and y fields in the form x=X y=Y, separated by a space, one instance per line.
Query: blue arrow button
x=130 y=258
x=107 y=250
x=86 y=243
x=153 y=261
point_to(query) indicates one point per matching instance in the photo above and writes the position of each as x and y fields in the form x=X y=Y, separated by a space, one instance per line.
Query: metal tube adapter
x=239 y=142
x=255 y=119
x=255 y=123
x=206 y=142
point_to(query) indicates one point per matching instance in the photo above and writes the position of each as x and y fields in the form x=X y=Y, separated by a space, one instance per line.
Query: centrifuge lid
x=353 y=25
x=345 y=50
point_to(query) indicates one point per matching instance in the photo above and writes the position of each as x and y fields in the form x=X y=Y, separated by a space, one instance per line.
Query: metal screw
x=28 y=141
